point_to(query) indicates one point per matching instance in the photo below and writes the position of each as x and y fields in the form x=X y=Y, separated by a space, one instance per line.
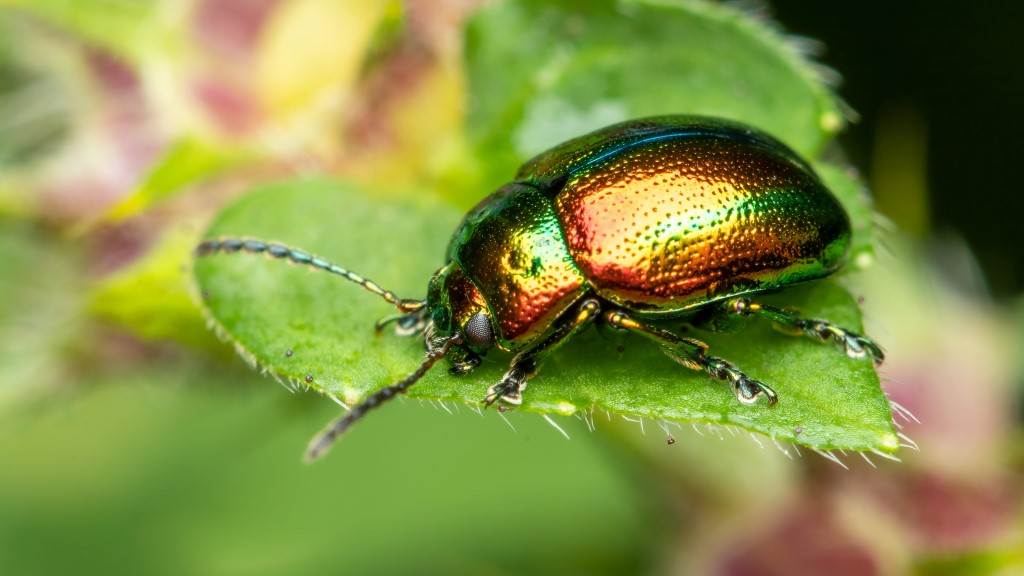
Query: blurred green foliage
x=543 y=72
x=172 y=472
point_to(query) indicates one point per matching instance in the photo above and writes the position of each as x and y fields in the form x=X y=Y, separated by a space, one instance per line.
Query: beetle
x=679 y=218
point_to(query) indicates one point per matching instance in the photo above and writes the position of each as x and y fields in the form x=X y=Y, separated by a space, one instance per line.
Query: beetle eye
x=478 y=331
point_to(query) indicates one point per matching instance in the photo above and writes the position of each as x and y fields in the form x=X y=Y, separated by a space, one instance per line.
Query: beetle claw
x=512 y=397
x=860 y=347
x=503 y=391
x=853 y=345
x=509 y=389
x=748 y=391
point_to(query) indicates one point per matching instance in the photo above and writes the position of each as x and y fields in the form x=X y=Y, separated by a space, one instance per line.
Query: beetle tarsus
x=859 y=347
x=509 y=389
x=850 y=343
x=747 y=389
x=465 y=364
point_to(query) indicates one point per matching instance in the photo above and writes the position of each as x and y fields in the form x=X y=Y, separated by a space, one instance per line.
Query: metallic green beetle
x=674 y=217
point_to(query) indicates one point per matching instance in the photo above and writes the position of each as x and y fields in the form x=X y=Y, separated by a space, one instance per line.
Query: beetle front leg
x=527 y=362
x=853 y=344
x=692 y=353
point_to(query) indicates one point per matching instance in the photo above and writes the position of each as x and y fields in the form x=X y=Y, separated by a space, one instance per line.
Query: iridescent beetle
x=674 y=217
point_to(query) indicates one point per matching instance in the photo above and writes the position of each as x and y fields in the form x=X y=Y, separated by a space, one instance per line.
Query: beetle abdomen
x=671 y=223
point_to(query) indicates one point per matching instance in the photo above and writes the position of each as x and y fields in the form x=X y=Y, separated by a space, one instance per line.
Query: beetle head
x=456 y=306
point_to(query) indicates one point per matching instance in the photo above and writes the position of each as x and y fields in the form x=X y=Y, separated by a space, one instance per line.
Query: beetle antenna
x=323 y=441
x=229 y=245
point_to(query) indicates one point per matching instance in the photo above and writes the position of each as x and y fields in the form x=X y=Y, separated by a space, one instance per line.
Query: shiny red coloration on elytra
x=683 y=223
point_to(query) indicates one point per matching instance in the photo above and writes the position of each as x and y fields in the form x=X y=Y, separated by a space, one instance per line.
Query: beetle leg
x=692 y=353
x=613 y=335
x=526 y=363
x=406 y=324
x=853 y=344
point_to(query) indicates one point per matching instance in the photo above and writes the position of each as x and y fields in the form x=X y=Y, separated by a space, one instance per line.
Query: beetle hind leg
x=693 y=354
x=852 y=344
x=527 y=362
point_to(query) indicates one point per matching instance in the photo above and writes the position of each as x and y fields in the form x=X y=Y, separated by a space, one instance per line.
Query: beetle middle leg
x=853 y=344
x=692 y=353
x=526 y=363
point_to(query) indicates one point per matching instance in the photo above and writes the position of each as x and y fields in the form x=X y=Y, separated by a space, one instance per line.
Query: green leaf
x=992 y=561
x=124 y=27
x=185 y=162
x=151 y=297
x=41 y=328
x=542 y=72
x=301 y=325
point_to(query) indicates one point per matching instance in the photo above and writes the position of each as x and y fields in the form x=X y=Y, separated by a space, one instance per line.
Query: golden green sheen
x=511 y=246
x=674 y=223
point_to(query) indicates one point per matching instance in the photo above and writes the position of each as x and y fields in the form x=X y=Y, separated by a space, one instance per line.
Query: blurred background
x=932 y=84
x=133 y=441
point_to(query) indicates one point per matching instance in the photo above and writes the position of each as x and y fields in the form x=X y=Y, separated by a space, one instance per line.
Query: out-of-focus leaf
x=317 y=328
x=35 y=112
x=424 y=123
x=123 y=27
x=34 y=104
x=151 y=297
x=1018 y=336
x=994 y=562
x=185 y=162
x=172 y=444
x=847 y=186
x=541 y=72
x=15 y=199
x=40 y=321
x=312 y=50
